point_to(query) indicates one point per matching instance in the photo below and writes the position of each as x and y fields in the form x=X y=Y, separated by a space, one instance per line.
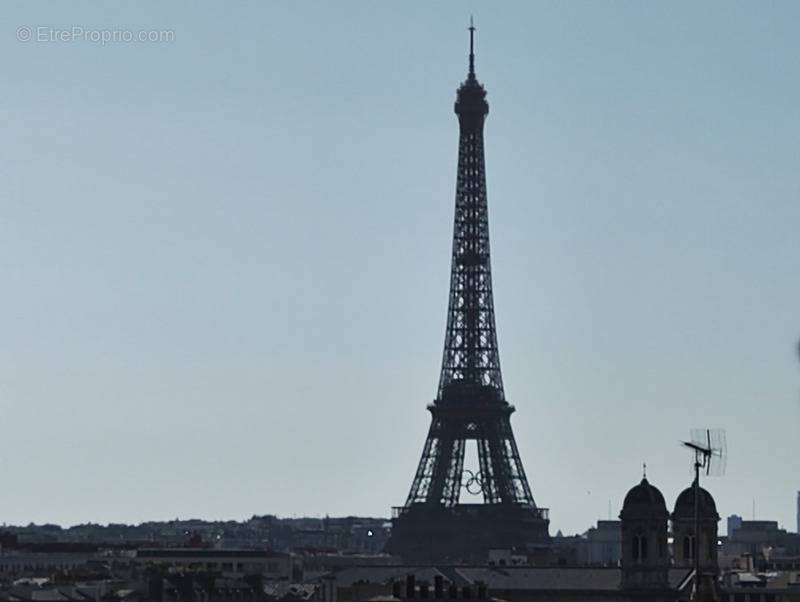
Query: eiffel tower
x=434 y=524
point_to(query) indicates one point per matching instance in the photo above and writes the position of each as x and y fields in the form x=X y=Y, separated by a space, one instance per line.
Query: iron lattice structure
x=470 y=403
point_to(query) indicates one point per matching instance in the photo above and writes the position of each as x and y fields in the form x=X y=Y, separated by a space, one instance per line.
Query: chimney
x=438 y=587
x=410 y=583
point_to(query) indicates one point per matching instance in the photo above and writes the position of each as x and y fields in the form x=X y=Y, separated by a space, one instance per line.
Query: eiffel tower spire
x=471 y=48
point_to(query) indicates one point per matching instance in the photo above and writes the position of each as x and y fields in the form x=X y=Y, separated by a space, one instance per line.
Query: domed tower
x=685 y=543
x=645 y=560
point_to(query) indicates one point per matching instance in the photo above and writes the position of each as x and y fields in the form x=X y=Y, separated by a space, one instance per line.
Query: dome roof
x=684 y=505
x=644 y=501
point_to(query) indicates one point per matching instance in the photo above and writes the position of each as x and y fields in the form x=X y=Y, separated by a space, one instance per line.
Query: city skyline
x=227 y=254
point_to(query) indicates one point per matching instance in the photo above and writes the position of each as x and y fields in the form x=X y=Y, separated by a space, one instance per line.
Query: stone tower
x=695 y=505
x=645 y=556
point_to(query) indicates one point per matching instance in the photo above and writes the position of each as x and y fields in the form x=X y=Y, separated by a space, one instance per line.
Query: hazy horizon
x=225 y=256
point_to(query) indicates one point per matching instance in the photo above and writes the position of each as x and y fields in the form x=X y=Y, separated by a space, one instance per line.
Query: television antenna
x=710 y=451
x=710 y=455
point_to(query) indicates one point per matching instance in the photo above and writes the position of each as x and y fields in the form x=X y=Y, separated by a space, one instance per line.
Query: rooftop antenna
x=710 y=454
x=710 y=451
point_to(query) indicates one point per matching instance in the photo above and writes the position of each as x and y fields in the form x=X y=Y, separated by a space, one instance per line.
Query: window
x=635 y=549
x=643 y=546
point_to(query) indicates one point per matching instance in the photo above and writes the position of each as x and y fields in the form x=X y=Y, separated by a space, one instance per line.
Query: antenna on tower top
x=471 y=47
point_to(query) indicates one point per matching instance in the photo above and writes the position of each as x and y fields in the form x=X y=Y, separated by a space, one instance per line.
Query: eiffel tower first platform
x=434 y=524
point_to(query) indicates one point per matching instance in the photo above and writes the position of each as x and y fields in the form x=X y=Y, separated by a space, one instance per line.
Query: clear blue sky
x=224 y=259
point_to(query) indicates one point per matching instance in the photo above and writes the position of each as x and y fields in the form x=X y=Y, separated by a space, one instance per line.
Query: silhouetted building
x=734 y=522
x=603 y=544
x=761 y=539
x=470 y=405
x=683 y=530
x=756 y=586
x=26 y=563
x=695 y=537
x=645 y=557
x=234 y=564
